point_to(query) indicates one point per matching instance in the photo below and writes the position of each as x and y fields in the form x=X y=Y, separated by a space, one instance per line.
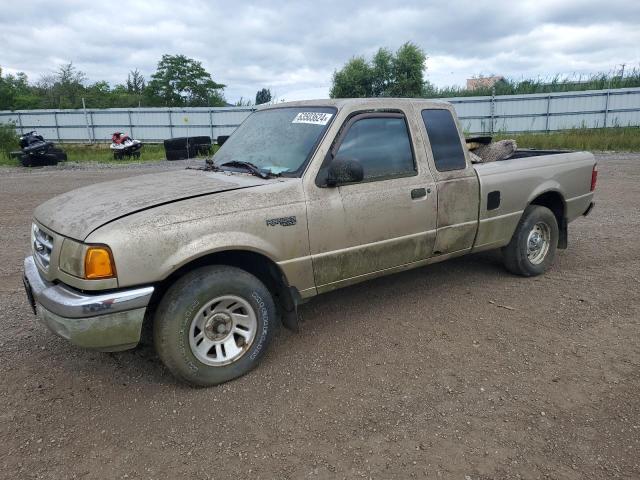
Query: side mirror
x=343 y=171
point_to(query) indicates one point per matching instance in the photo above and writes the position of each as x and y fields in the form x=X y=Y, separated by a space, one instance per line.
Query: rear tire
x=214 y=324
x=533 y=246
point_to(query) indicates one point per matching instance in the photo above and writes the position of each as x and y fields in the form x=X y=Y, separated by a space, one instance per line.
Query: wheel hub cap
x=538 y=243
x=218 y=326
x=534 y=241
x=223 y=330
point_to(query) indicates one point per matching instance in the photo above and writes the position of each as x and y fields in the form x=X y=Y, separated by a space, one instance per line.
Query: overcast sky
x=294 y=47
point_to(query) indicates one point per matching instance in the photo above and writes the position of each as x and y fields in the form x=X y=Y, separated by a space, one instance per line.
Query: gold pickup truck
x=303 y=198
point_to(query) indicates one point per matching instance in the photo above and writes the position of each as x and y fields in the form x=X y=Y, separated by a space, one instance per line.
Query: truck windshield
x=278 y=140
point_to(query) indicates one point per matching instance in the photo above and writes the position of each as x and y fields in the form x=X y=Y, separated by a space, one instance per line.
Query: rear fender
x=549 y=195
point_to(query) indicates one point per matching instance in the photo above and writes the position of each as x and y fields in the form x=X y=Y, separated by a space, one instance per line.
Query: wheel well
x=554 y=202
x=265 y=269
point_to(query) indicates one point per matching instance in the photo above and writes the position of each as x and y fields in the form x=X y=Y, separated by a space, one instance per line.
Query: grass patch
x=97 y=153
x=619 y=139
x=100 y=153
x=5 y=161
x=8 y=142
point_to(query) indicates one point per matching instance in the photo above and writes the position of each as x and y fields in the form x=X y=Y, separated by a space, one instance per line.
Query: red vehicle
x=123 y=145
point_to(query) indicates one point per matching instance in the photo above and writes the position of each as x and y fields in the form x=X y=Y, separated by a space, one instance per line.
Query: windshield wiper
x=249 y=166
x=209 y=166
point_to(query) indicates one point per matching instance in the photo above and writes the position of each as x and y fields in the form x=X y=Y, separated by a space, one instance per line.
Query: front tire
x=214 y=324
x=533 y=246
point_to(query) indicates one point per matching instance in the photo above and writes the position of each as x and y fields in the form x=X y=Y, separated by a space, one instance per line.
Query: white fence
x=148 y=124
x=549 y=111
x=507 y=113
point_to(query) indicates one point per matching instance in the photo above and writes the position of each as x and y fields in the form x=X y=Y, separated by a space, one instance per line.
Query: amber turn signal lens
x=98 y=263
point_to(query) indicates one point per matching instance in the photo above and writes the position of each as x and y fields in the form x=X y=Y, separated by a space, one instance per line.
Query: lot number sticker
x=314 y=118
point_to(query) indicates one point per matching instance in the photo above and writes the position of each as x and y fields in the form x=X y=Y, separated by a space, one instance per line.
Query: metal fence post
x=211 y=123
x=20 y=123
x=546 y=125
x=86 y=121
x=606 y=108
x=170 y=123
x=93 y=126
x=130 y=124
x=55 y=120
x=492 y=107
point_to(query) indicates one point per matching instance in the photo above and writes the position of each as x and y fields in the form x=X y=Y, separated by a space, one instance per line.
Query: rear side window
x=445 y=141
x=381 y=145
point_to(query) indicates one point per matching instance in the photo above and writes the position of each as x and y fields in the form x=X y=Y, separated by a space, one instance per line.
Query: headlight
x=91 y=262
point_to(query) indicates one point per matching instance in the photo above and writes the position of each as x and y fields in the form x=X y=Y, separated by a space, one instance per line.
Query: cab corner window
x=444 y=139
x=381 y=145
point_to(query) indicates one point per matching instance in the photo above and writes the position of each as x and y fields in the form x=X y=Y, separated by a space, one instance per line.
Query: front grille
x=42 y=245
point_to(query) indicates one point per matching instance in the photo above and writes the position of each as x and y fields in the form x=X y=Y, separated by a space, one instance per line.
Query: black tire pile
x=187 y=147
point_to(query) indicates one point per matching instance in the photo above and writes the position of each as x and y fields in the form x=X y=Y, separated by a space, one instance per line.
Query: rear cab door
x=388 y=220
x=458 y=189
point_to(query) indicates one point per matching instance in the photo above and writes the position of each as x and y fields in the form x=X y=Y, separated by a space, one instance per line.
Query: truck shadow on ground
x=317 y=317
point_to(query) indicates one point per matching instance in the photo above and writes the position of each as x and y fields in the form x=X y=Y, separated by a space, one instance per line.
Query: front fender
x=146 y=253
x=217 y=242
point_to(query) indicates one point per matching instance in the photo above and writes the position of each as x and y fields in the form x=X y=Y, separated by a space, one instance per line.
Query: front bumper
x=103 y=321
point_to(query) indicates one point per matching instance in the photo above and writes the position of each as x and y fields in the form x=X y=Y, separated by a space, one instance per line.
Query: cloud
x=293 y=47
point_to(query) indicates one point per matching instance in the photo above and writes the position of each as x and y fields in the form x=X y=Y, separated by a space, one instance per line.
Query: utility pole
x=622 y=72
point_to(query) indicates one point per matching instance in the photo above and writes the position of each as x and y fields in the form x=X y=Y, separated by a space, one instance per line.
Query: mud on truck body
x=304 y=198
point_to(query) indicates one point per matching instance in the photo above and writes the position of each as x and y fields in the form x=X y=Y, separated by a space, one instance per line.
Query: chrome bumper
x=103 y=321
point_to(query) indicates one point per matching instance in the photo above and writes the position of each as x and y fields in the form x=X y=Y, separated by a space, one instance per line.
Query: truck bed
x=531 y=152
x=513 y=184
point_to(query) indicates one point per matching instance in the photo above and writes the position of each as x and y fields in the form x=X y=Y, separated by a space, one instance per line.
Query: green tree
x=69 y=86
x=263 y=96
x=181 y=81
x=354 y=80
x=242 y=102
x=62 y=89
x=387 y=74
x=382 y=68
x=135 y=82
x=121 y=97
x=98 y=95
x=16 y=93
x=408 y=71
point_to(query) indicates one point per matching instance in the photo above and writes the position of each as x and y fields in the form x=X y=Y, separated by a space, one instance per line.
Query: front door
x=386 y=220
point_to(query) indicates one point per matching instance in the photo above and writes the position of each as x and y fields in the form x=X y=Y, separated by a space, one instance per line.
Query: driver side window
x=381 y=145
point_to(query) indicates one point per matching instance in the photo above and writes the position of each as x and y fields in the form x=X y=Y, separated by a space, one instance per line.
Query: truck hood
x=77 y=213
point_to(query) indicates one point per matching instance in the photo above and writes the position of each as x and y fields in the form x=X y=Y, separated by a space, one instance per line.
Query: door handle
x=418 y=193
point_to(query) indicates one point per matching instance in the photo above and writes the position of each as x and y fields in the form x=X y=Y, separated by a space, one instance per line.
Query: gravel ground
x=457 y=370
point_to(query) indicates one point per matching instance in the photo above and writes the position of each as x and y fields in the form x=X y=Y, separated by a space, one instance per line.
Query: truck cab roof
x=339 y=103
